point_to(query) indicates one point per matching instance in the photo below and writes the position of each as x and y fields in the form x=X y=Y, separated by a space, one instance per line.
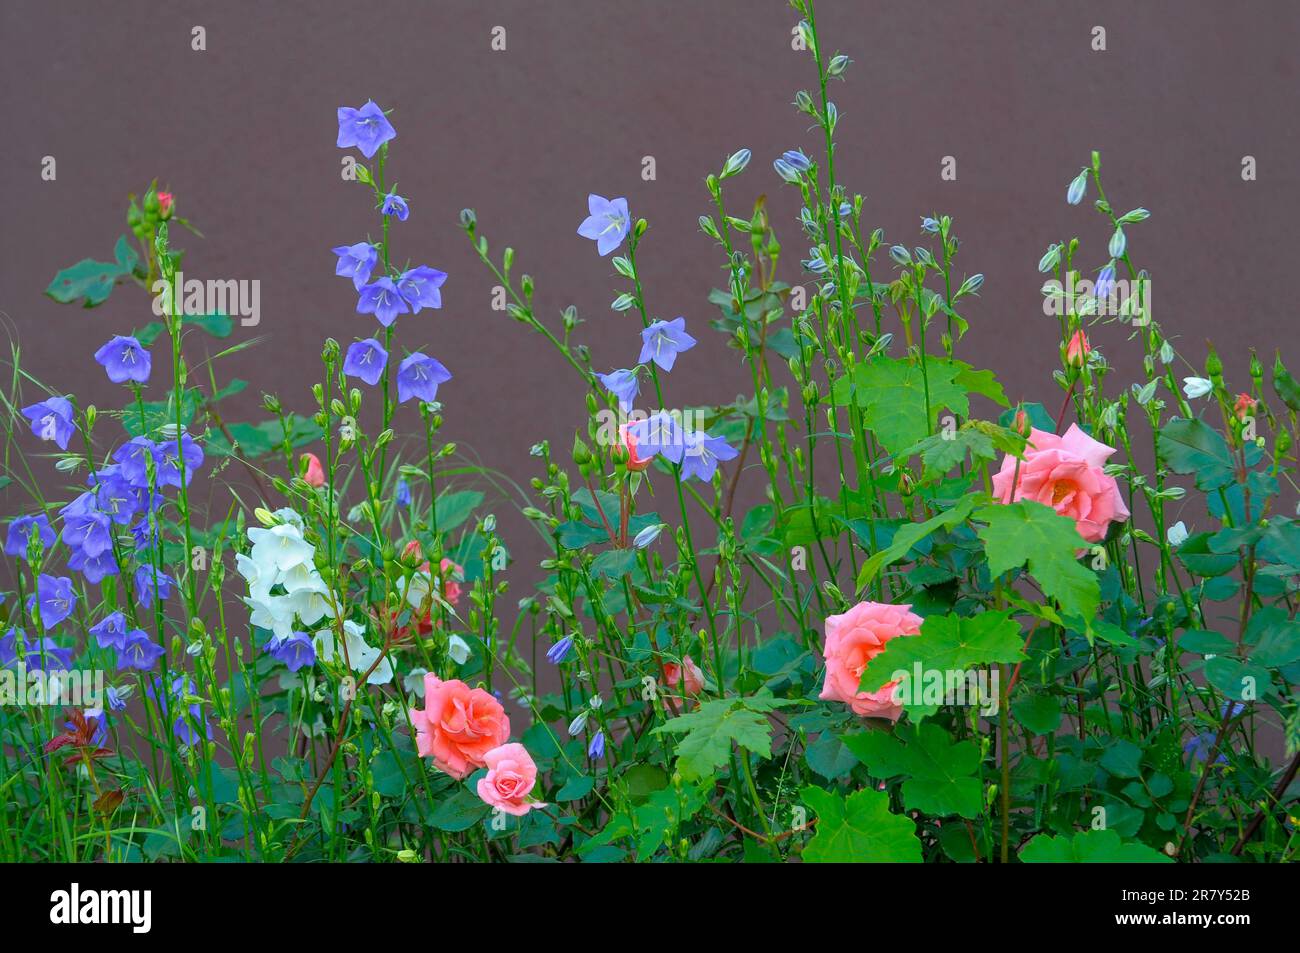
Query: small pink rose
x=511 y=777
x=694 y=677
x=315 y=474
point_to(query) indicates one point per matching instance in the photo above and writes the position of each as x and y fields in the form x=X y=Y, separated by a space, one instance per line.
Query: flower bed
x=956 y=629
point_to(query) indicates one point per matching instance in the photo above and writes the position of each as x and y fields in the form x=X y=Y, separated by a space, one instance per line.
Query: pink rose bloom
x=854 y=639
x=694 y=677
x=1066 y=474
x=448 y=571
x=511 y=776
x=315 y=474
x=634 y=462
x=459 y=725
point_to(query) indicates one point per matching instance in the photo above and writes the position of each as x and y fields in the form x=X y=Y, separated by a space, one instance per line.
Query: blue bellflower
x=366 y=128
x=402 y=497
x=659 y=435
x=138 y=651
x=173 y=455
x=419 y=376
x=356 y=262
x=624 y=385
x=607 y=224
x=382 y=299
x=52 y=420
x=57 y=599
x=662 y=341
x=94 y=568
x=558 y=652
x=396 y=206
x=110 y=632
x=151 y=584
x=125 y=360
x=366 y=360
x=23 y=529
x=295 y=651
x=701 y=454
x=133 y=461
x=419 y=287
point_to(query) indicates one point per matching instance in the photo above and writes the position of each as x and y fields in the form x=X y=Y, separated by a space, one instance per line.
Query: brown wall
x=244 y=134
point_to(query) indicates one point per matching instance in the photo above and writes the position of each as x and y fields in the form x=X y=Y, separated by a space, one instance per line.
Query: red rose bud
x=1244 y=406
x=1077 y=350
x=165 y=201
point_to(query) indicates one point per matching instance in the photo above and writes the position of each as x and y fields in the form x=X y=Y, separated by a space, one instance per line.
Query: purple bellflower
x=52 y=420
x=21 y=531
x=366 y=128
x=662 y=341
x=382 y=299
x=366 y=360
x=125 y=360
x=607 y=224
x=356 y=262
x=624 y=385
x=419 y=287
x=419 y=376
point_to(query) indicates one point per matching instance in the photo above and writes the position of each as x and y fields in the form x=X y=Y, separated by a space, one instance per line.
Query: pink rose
x=1066 y=474
x=694 y=677
x=634 y=462
x=511 y=776
x=448 y=571
x=459 y=725
x=315 y=474
x=854 y=639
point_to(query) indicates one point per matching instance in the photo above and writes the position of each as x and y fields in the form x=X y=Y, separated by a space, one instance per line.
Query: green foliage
x=859 y=829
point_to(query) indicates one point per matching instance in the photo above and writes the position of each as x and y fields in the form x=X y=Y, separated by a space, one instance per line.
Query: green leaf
x=93 y=280
x=1275 y=638
x=941 y=775
x=710 y=730
x=947 y=643
x=981 y=382
x=892 y=395
x=1040 y=713
x=459 y=812
x=1033 y=535
x=911 y=534
x=576 y=787
x=614 y=562
x=454 y=508
x=859 y=829
x=1089 y=847
x=1194 y=447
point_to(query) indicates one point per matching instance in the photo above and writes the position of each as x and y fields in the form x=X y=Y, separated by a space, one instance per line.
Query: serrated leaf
x=859 y=829
x=709 y=732
x=1089 y=847
x=912 y=533
x=1191 y=446
x=941 y=775
x=947 y=643
x=893 y=393
x=1034 y=535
